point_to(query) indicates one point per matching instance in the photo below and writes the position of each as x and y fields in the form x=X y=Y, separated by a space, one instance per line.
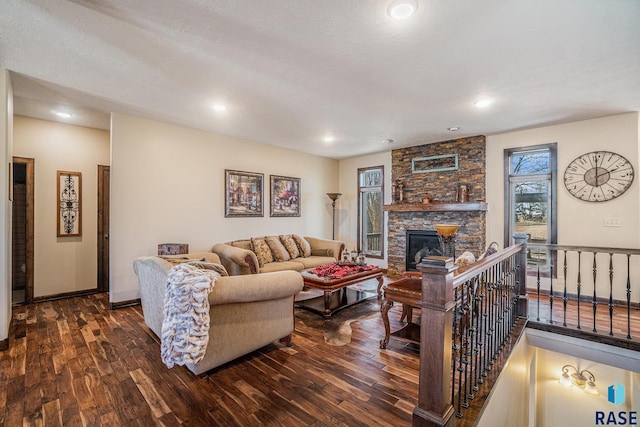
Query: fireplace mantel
x=437 y=207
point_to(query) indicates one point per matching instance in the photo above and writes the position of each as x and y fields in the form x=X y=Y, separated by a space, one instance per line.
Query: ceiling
x=294 y=71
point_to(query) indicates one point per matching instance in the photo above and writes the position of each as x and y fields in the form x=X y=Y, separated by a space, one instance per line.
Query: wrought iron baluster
x=628 y=296
x=538 y=284
x=550 y=258
x=594 y=301
x=564 y=294
x=579 y=286
x=454 y=347
x=478 y=340
x=466 y=334
x=610 y=293
x=460 y=369
x=473 y=337
x=484 y=325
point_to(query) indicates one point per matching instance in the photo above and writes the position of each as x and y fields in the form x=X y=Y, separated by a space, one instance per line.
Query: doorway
x=103 y=227
x=22 y=217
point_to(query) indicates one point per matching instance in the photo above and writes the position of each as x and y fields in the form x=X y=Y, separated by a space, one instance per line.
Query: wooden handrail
x=598 y=249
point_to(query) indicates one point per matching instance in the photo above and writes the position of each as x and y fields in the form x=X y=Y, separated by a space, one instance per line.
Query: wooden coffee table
x=336 y=292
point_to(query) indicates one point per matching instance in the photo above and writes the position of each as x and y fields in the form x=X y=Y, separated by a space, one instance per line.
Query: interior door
x=103 y=227
x=22 y=252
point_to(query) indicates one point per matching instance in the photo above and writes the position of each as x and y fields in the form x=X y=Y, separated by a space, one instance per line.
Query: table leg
x=327 y=304
x=380 y=280
x=384 y=312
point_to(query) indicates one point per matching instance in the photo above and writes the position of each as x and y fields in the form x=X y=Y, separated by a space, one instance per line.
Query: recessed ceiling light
x=388 y=141
x=402 y=9
x=454 y=128
x=63 y=114
x=483 y=103
x=328 y=139
x=219 y=107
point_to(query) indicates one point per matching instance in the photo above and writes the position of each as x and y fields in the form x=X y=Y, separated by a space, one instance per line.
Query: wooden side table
x=407 y=291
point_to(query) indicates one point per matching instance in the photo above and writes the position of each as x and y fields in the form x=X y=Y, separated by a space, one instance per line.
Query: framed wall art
x=243 y=194
x=285 y=196
x=69 y=203
x=443 y=162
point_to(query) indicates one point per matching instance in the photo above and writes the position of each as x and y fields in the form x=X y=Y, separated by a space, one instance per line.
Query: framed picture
x=285 y=196
x=243 y=194
x=69 y=204
x=443 y=162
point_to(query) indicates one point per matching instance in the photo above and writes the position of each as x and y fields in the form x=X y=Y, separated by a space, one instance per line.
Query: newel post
x=523 y=298
x=436 y=316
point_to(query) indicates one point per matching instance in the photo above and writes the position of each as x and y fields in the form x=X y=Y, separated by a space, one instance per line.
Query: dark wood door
x=23 y=229
x=103 y=227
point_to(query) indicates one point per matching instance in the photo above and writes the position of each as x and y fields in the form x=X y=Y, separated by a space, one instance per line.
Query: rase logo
x=616 y=395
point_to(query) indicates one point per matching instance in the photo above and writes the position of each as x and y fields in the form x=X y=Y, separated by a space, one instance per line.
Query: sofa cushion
x=315 y=261
x=282 y=266
x=290 y=244
x=303 y=245
x=278 y=250
x=262 y=251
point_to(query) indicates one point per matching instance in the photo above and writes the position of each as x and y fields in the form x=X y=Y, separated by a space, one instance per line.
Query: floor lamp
x=333 y=197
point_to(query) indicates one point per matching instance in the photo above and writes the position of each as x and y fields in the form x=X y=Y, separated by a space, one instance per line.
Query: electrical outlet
x=612 y=222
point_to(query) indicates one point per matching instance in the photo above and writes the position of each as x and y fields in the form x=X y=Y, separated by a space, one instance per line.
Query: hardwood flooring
x=75 y=362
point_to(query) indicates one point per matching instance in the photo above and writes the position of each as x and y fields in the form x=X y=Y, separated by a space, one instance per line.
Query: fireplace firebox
x=420 y=244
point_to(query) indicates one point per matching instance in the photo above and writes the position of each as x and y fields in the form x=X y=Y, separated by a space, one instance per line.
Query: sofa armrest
x=334 y=246
x=237 y=261
x=255 y=287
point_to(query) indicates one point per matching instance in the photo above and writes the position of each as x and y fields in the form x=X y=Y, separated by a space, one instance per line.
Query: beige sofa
x=247 y=312
x=239 y=258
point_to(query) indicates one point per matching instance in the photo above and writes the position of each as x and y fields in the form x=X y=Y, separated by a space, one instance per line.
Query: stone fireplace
x=441 y=188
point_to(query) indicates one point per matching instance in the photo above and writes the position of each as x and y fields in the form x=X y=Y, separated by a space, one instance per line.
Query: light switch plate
x=612 y=222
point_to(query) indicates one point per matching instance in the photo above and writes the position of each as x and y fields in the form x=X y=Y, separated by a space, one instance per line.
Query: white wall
x=62 y=264
x=6 y=154
x=579 y=222
x=347 y=205
x=167 y=185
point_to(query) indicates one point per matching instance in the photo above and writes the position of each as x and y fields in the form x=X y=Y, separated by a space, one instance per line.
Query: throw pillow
x=203 y=265
x=290 y=244
x=303 y=245
x=262 y=251
x=278 y=250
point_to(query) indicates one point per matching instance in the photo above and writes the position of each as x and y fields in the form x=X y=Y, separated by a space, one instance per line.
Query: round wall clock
x=598 y=176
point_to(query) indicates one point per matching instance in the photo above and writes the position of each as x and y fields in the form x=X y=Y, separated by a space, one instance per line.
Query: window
x=370 y=213
x=530 y=192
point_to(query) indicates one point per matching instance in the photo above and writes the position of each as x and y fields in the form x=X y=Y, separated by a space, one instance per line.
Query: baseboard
x=63 y=295
x=4 y=344
x=123 y=304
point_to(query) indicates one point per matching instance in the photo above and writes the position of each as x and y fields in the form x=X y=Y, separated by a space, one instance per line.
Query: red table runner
x=335 y=271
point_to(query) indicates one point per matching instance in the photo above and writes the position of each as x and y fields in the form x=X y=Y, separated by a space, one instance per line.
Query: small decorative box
x=173 y=248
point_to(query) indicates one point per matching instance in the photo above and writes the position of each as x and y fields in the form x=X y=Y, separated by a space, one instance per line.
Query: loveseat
x=246 y=312
x=277 y=253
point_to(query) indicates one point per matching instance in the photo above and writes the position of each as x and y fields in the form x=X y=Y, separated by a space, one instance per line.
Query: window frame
x=551 y=176
x=361 y=190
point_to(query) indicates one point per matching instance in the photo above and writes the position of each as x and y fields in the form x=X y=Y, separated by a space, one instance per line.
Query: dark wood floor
x=75 y=362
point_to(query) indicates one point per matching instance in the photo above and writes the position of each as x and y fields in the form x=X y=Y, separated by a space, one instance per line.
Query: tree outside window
x=370 y=211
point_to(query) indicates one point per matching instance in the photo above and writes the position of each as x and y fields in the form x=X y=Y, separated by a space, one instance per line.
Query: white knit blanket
x=185 y=329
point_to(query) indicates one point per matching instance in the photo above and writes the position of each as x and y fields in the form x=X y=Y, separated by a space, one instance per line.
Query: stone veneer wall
x=440 y=187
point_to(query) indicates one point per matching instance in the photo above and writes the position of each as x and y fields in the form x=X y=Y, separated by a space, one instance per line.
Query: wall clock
x=598 y=176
